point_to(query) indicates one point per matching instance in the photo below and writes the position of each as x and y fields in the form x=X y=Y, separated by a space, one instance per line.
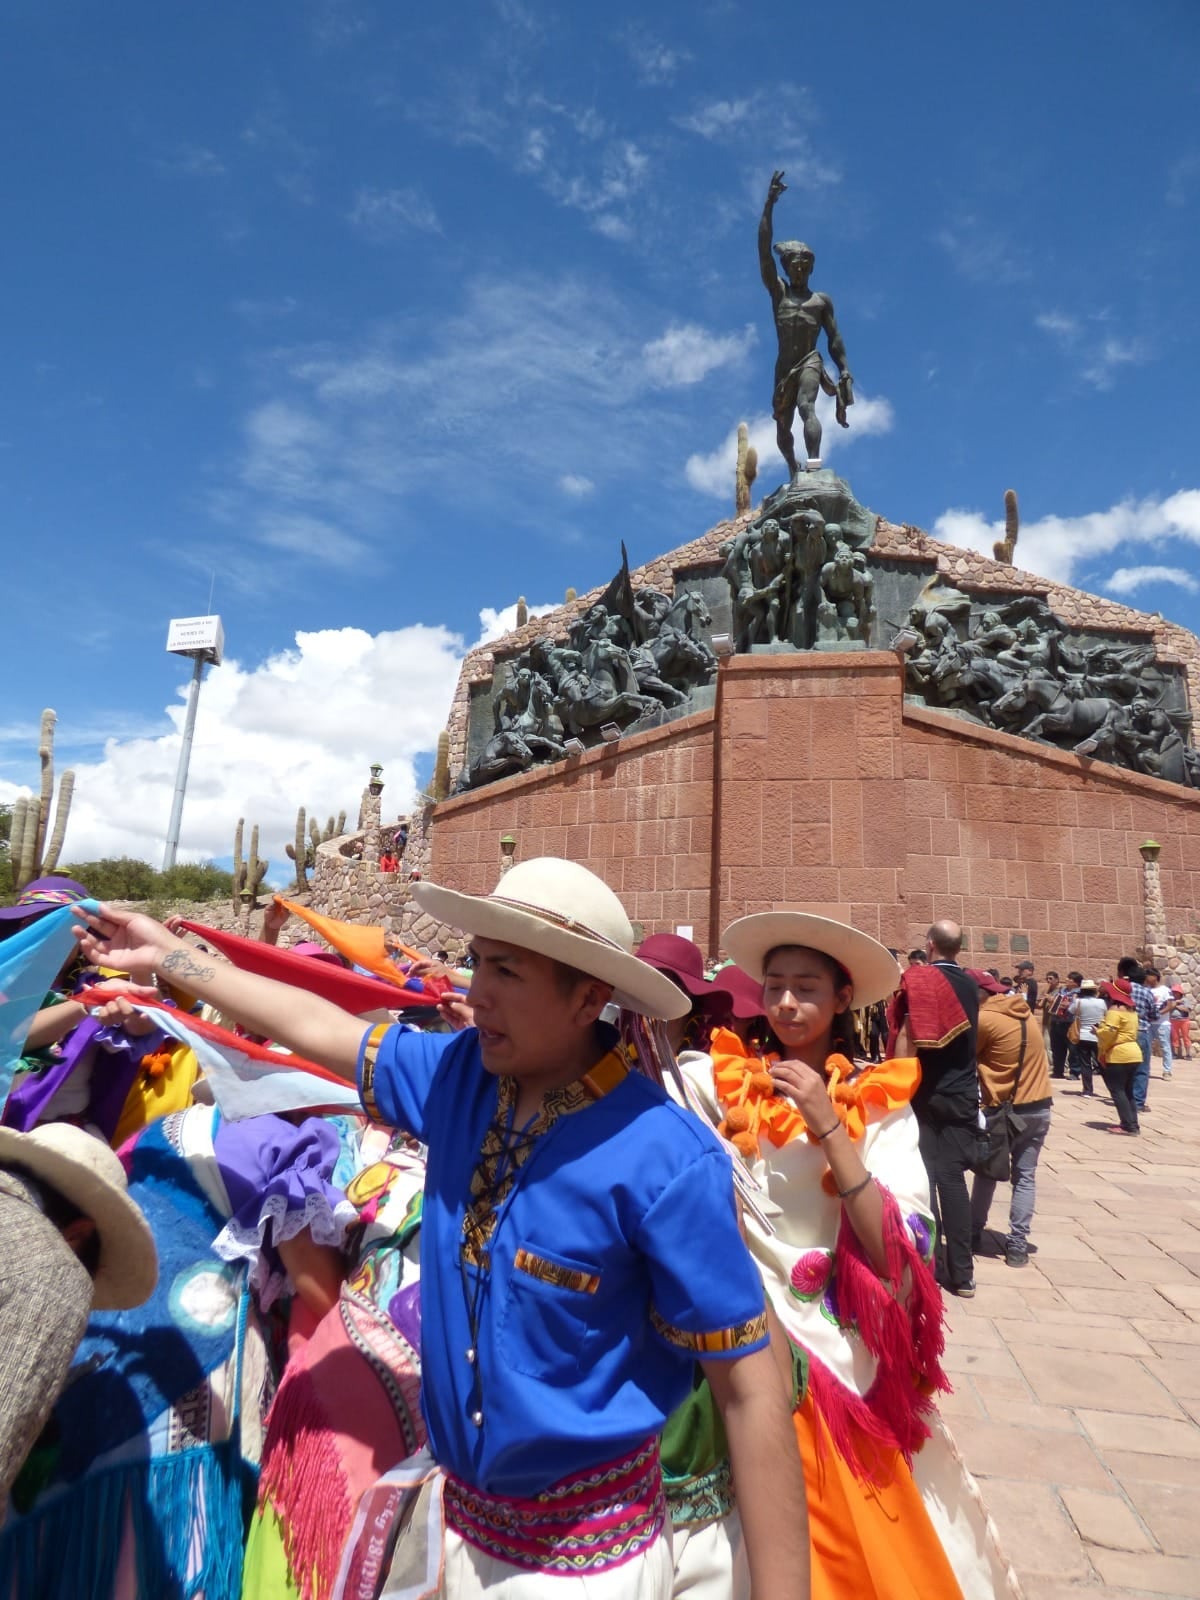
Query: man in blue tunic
x=579 y=1254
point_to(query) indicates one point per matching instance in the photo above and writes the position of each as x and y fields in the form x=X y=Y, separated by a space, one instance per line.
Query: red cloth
x=349 y=990
x=934 y=1013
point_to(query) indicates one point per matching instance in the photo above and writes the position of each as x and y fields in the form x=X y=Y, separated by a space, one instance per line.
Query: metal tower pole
x=181 y=771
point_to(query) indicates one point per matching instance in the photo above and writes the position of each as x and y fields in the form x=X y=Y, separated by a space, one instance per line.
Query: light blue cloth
x=30 y=960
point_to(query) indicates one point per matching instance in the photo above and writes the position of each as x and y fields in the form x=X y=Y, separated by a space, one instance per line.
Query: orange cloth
x=363 y=946
x=754 y=1111
x=867 y=1542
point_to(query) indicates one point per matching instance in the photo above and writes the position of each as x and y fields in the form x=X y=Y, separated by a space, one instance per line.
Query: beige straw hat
x=88 y=1174
x=874 y=970
x=560 y=909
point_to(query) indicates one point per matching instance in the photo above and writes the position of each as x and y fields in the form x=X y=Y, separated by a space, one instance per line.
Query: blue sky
x=384 y=315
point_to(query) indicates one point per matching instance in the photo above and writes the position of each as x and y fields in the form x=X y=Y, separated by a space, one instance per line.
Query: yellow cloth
x=154 y=1096
x=1117 y=1037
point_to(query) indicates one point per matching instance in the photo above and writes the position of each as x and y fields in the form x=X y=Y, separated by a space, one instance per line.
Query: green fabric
x=265 y=1571
x=39 y=1060
x=694 y=1441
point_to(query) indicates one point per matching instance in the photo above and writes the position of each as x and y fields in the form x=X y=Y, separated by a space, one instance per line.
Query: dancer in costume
x=845 y=1256
x=579 y=1251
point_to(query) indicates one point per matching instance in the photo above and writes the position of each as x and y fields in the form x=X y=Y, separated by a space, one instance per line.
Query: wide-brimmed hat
x=41 y=896
x=87 y=1173
x=986 y=982
x=317 y=952
x=743 y=993
x=1118 y=993
x=874 y=971
x=1089 y=984
x=679 y=958
x=559 y=909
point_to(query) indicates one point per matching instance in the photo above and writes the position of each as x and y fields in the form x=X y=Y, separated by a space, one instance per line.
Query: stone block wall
x=825 y=790
x=639 y=813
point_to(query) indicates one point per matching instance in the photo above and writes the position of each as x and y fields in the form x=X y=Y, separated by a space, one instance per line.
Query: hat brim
x=637 y=986
x=698 y=988
x=128 y=1270
x=743 y=1006
x=874 y=971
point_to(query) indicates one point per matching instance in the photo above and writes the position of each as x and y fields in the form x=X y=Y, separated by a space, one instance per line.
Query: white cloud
x=1113 y=354
x=1128 y=580
x=382 y=213
x=653 y=61
x=713 y=473
x=496 y=623
x=300 y=728
x=193 y=161
x=1061 y=547
x=576 y=485
x=719 y=118
x=1058 y=323
x=981 y=252
x=687 y=353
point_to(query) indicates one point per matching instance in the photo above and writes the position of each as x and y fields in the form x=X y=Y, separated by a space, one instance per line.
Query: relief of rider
x=800 y=315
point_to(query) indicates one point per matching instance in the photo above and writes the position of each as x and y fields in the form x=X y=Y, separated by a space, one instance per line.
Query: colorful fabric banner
x=349 y=990
x=247 y=1079
x=363 y=946
x=30 y=960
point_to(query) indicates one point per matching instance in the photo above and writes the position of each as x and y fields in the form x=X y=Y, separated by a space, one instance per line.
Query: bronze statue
x=800 y=315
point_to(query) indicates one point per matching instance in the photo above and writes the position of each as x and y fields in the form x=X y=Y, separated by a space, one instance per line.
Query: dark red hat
x=679 y=958
x=745 y=997
x=986 y=982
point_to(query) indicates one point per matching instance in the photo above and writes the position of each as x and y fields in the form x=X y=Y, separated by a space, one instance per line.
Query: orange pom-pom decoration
x=762 y=1082
x=746 y=1145
x=157 y=1064
x=737 y=1120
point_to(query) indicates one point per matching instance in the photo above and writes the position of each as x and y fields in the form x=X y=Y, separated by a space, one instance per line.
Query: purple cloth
x=278 y=1177
x=115 y=1059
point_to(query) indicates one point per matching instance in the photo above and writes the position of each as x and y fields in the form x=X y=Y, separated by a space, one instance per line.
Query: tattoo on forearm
x=182 y=964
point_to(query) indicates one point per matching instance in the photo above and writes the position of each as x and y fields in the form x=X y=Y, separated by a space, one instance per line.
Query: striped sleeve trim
x=720 y=1342
x=552 y=1272
x=366 y=1071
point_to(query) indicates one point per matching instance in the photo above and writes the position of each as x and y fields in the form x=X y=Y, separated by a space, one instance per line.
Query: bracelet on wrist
x=820 y=1138
x=848 y=1194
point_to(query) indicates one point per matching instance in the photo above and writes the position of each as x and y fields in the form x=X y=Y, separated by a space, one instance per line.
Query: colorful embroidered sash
x=588 y=1522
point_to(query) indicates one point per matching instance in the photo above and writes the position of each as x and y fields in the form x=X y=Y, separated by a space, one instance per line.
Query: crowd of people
x=597 y=1270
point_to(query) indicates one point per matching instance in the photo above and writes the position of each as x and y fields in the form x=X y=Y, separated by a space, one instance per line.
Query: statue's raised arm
x=766 y=260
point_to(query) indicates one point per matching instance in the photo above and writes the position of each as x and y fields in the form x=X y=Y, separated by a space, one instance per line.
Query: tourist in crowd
x=845 y=1246
x=1013 y=1070
x=938 y=1006
x=917 y=958
x=1131 y=970
x=515 y=1274
x=1088 y=1010
x=1059 y=1012
x=1024 y=983
x=70 y=1239
x=1049 y=993
x=1117 y=1037
x=1160 y=1029
x=1181 y=1025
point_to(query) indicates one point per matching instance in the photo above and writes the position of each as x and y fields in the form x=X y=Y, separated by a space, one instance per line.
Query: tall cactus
x=237 y=862
x=522 y=611
x=298 y=852
x=1005 y=549
x=256 y=870
x=747 y=470
x=441 y=766
x=570 y=595
x=28 y=854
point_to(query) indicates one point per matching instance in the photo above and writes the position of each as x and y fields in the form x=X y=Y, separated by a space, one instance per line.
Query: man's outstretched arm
x=768 y=1475
x=310 y=1026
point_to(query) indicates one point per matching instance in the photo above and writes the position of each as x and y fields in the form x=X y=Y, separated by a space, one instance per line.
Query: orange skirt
x=868 y=1543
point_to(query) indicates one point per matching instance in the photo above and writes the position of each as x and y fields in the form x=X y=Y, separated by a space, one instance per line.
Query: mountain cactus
x=747 y=469
x=441 y=766
x=29 y=853
x=1005 y=549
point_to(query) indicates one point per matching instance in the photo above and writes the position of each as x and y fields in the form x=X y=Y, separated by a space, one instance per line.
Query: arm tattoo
x=181 y=964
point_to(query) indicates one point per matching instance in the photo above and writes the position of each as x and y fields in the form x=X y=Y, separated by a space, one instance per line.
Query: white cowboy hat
x=874 y=971
x=560 y=909
x=88 y=1174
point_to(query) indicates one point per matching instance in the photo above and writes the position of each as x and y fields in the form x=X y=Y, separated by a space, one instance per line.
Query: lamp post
x=203 y=639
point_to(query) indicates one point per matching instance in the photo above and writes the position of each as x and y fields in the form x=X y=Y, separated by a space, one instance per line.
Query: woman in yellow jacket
x=1120 y=1053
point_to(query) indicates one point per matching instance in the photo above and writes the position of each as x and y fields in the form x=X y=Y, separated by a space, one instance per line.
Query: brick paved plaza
x=1077 y=1401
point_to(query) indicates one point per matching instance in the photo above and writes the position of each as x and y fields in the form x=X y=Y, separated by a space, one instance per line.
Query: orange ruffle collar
x=753 y=1111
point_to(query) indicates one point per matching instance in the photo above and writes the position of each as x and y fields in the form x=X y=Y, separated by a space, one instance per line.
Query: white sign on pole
x=193 y=636
x=685 y=931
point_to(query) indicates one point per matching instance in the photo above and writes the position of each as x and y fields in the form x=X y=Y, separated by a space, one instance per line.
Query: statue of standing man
x=800 y=314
